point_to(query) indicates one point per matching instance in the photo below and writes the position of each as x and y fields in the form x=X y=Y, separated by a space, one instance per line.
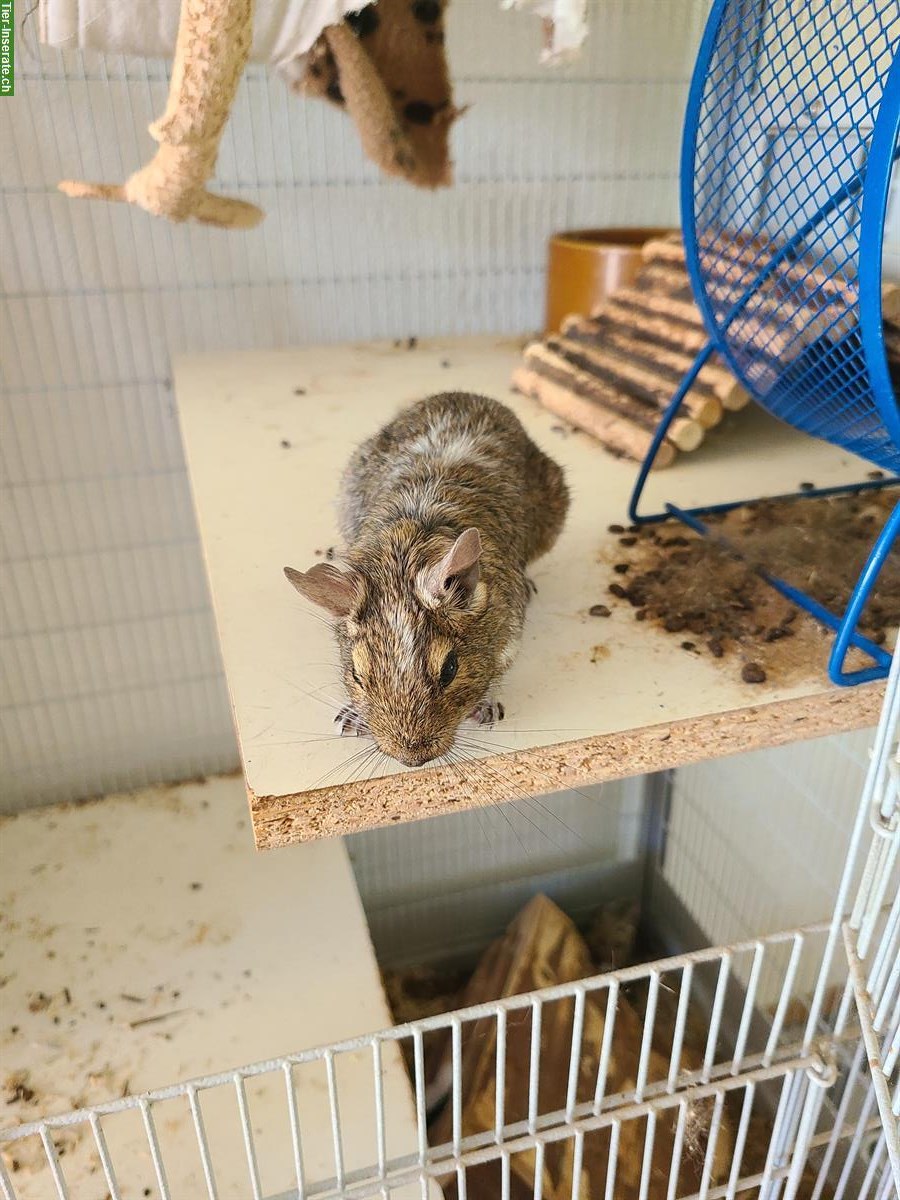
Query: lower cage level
x=768 y=1068
x=727 y=1073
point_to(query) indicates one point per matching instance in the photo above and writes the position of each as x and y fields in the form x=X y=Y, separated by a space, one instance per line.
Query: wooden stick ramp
x=612 y=374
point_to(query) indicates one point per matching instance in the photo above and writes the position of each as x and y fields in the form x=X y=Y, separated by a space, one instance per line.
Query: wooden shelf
x=267 y=435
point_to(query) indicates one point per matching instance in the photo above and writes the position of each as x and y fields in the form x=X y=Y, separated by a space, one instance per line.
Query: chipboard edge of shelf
x=343 y=809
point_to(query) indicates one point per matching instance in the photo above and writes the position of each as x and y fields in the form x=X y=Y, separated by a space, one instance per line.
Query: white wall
x=753 y=844
x=756 y=843
x=442 y=889
x=111 y=671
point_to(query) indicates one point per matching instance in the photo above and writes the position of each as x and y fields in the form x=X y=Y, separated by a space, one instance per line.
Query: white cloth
x=283 y=30
x=569 y=25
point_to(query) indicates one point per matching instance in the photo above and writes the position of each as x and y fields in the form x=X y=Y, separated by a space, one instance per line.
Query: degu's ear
x=458 y=572
x=331 y=589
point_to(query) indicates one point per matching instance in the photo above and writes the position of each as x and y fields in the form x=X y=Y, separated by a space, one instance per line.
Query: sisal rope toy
x=212 y=49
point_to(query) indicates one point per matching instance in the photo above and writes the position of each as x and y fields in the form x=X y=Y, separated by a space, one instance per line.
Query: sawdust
x=714 y=600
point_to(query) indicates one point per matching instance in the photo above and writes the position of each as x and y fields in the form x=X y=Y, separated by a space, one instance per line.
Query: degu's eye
x=356 y=678
x=449 y=669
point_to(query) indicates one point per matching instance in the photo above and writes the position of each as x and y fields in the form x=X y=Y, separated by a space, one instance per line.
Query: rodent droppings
x=690 y=583
x=752 y=672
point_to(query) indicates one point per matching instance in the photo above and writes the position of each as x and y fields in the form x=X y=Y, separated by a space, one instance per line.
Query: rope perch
x=213 y=46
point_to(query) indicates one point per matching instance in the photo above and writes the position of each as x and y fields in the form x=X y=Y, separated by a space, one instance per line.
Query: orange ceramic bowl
x=585 y=265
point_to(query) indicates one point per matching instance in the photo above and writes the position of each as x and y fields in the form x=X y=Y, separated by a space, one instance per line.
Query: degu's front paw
x=488 y=712
x=350 y=723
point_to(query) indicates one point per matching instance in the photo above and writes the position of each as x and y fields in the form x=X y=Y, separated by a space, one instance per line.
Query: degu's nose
x=415 y=754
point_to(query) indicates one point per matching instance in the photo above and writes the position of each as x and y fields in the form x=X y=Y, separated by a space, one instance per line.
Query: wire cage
x=768 y=1068
x=790 y=139
x=792 y=1088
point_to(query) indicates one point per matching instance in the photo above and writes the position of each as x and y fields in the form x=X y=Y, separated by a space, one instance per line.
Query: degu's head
x=415 y=645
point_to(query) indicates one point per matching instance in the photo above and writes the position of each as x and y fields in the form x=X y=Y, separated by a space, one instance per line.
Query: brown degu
x=441 y=512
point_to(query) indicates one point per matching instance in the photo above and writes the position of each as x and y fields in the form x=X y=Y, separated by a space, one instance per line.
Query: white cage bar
x=748 y=1059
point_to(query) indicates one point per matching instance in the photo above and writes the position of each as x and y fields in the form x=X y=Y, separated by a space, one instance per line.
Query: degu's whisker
x=325 y=779
x=379 y=763
x=450 y=762
x=553 y=785
x=359 y=770
x=507 y=728
x=327 y=701
x=512 y=792
x=516 y=798
x=479 y=813
x=498 y=805
x=514 y=801
x=326 y=737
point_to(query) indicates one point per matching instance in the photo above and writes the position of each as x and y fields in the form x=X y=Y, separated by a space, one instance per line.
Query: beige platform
x=267 y=435
x=144 y=942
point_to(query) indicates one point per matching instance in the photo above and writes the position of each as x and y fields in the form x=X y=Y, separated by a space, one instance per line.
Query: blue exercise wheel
x=791 y=135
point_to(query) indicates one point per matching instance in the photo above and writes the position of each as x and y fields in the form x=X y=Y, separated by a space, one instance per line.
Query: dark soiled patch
x=699 y=590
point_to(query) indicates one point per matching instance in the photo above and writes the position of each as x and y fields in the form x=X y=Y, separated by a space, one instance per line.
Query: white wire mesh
x=112 y=673
x=732 y=837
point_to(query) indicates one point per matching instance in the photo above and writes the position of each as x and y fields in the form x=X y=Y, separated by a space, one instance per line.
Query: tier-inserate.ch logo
x=7 y=49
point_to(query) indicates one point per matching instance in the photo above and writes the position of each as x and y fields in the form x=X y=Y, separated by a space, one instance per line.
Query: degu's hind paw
x=350 y=723
x=488 y=712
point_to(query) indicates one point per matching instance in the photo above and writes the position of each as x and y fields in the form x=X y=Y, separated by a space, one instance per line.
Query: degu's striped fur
x=441 y=512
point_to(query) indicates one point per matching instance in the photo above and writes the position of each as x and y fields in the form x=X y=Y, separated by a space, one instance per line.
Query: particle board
x=267 y=435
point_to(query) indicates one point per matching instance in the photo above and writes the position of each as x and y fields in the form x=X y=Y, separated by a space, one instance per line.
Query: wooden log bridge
x=612 y=374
